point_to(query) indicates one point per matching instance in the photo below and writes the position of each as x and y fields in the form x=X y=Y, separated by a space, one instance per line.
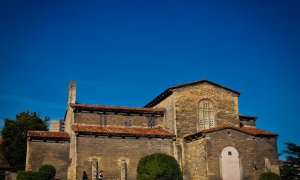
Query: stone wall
x=182 y=108
x=252 y=151
x=115 y=119
x=53 y=153
x=248 y=123
x=266 y=148
x=196 y=160
x=109 y=152
x=243 y=143
x=168 y=105
x=186 y=100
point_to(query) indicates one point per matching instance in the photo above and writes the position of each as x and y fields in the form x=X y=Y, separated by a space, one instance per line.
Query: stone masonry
x=198 y=123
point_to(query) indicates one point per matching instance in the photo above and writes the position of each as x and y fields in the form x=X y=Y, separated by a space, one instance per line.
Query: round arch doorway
x=230 y=164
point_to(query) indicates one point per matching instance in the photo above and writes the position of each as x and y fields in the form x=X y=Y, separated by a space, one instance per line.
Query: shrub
x=269 y=176
x=30 y=175
x=48 y=170
x=158 y=166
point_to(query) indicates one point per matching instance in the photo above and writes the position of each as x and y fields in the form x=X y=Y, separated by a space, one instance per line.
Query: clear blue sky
x=127 y=52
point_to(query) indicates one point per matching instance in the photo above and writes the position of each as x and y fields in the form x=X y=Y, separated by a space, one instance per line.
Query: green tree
x=291 y=167
x=158 y=166
x=14 y=135
x=48 y=170
x=269 y=176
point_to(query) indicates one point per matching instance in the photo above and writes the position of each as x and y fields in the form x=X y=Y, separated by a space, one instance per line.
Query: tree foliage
x=14 y=136
x=31 y=175
x=158 y=166
x=269 y=176
x=48 y=170
x=291 y=167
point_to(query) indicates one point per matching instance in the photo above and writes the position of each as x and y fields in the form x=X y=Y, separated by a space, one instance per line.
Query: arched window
x=206 y=114
x=123 y=170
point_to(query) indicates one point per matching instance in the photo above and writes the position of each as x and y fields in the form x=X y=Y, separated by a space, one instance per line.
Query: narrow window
x=267 y=165
x=94 y=169
x=123 y=170
x=206 y=116
x=151 y=122
x=127 y=122
x=103 y=120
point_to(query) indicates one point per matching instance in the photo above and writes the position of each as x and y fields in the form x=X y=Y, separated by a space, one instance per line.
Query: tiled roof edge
x=118 y=108
x=243 y=130
x=107 y=131
x=48 y=135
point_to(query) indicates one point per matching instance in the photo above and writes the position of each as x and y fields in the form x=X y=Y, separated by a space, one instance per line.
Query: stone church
x=198 y=123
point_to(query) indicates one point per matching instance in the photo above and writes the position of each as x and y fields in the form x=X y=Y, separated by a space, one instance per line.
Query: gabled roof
x=117 y=131
x=121 y=109
x=248 y=130
x=48 y=135
x=169 y=91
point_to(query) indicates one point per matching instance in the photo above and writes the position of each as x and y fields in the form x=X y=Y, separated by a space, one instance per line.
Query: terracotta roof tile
x=248 y=130
x=256 y=131
x=48 y=135
x=148 y=132
x=124 y=109
x=169 y=91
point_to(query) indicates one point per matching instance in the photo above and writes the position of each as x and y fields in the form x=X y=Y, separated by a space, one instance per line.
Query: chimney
x=72 y=92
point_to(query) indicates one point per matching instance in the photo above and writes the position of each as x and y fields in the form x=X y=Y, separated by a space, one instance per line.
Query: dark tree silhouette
x=14 y=136
x=291 y=167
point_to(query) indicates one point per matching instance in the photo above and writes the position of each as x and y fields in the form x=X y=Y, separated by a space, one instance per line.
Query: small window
x=229 y=153
x=103 y=121
x=267 y=165
x=127 y=122
x=123 y=169
x=151 y=122
x=94 y=168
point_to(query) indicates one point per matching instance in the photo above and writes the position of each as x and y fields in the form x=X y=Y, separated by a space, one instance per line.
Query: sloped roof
x=248 y=130
x=48 y=135
x=169 y=91
x=122 y=109
x=117 y=131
